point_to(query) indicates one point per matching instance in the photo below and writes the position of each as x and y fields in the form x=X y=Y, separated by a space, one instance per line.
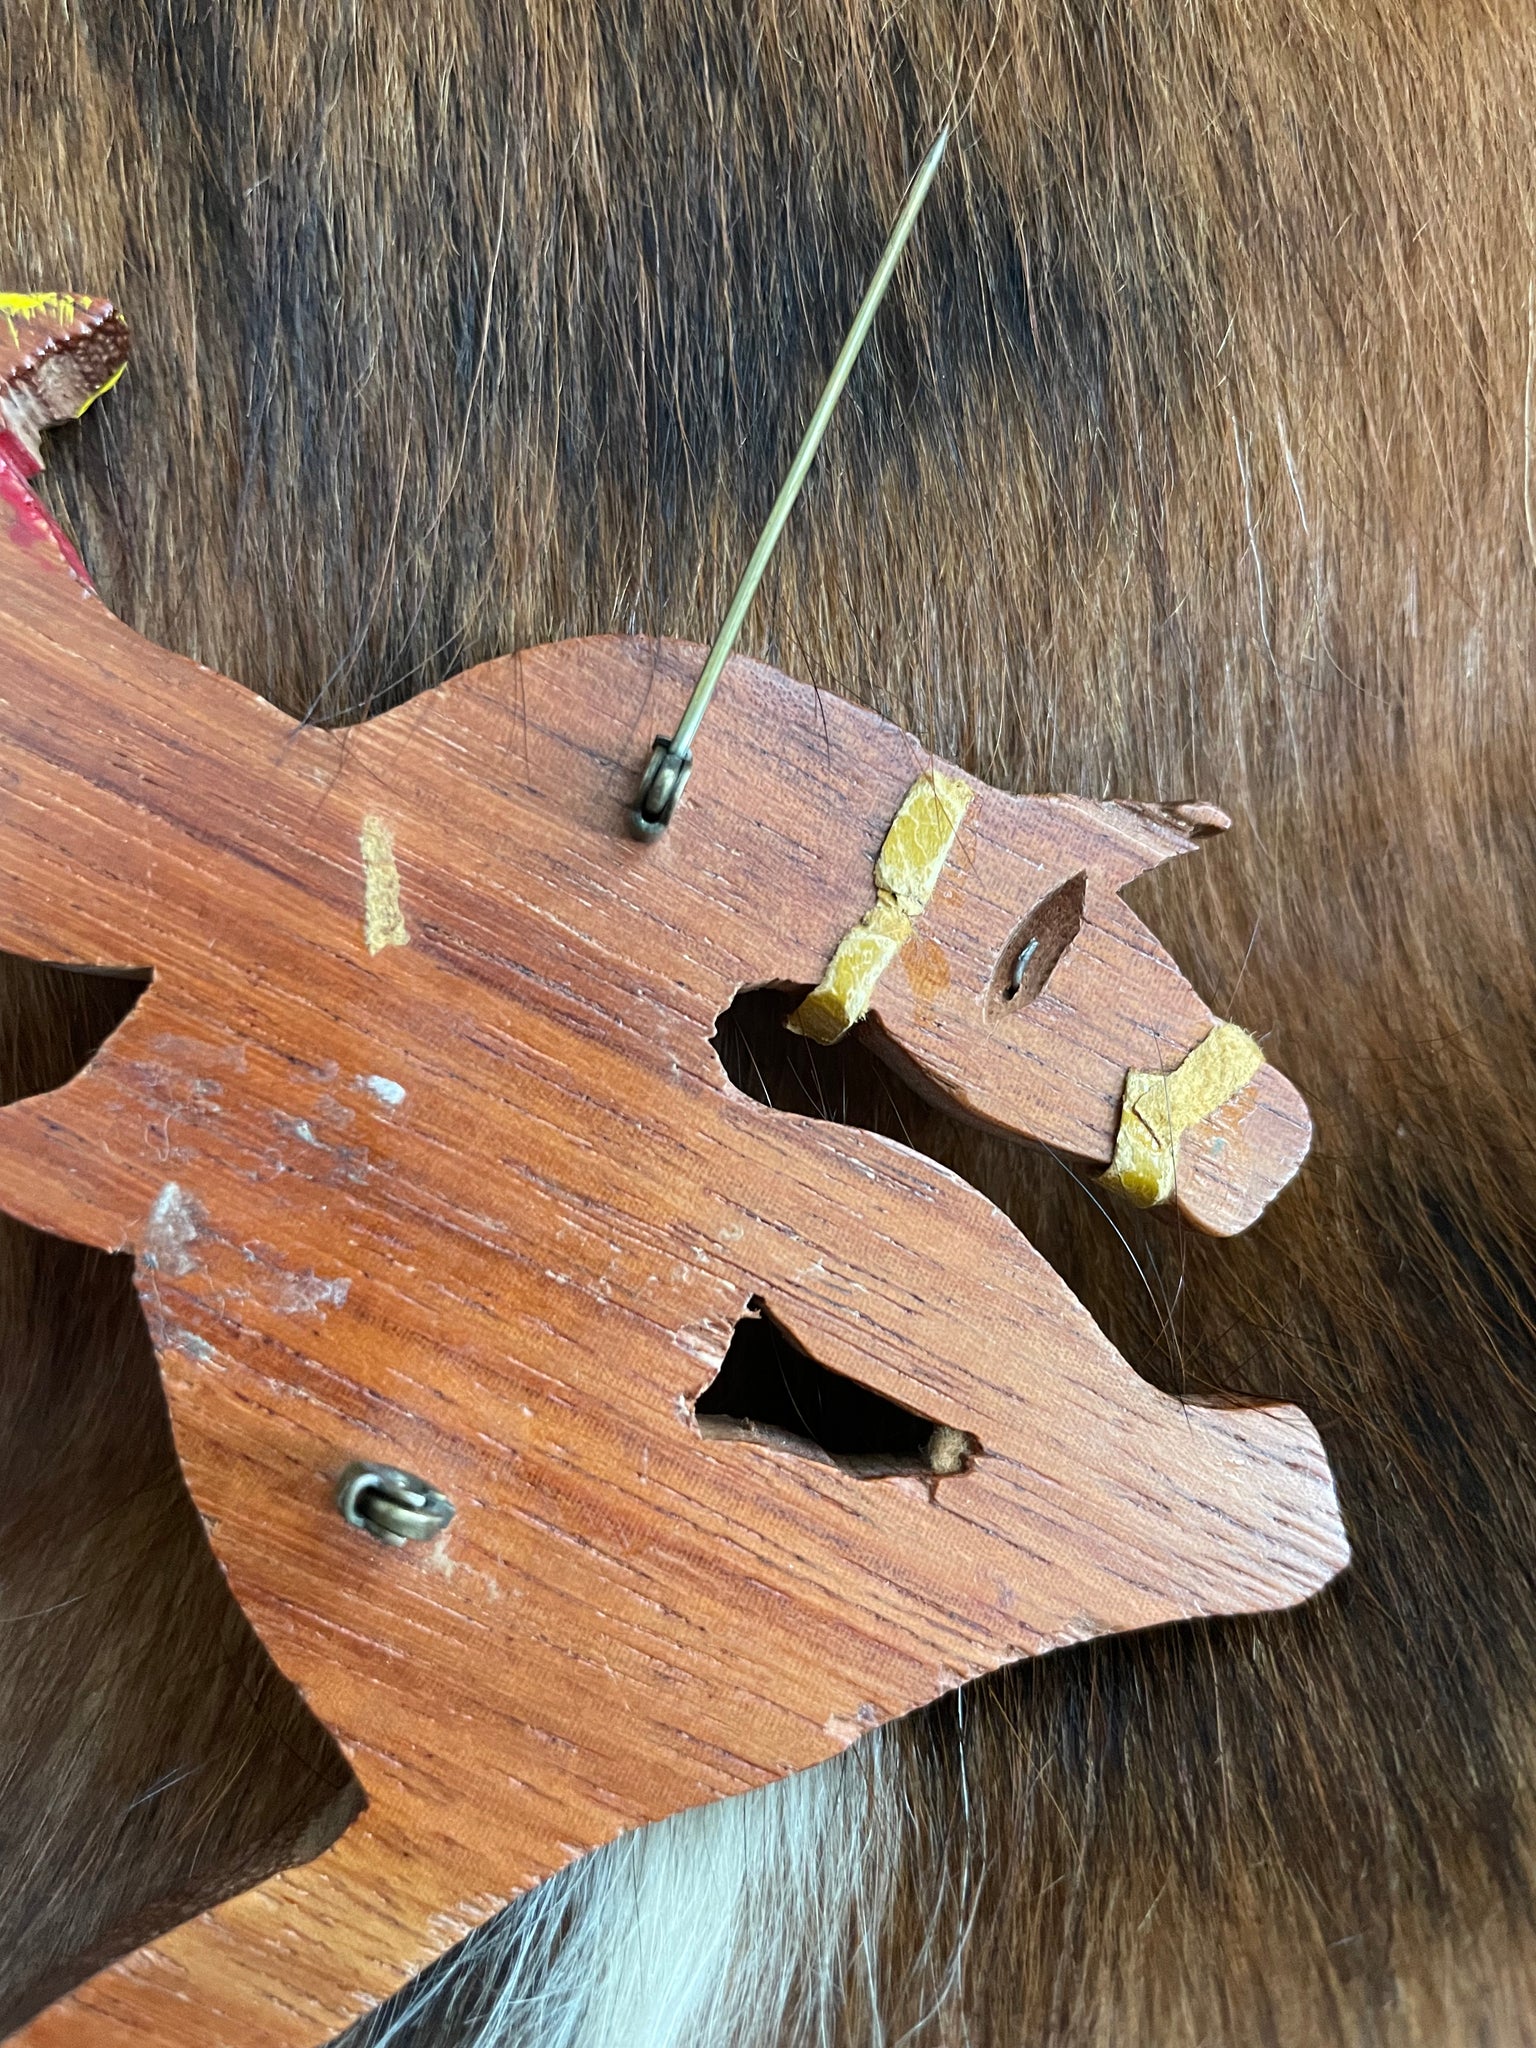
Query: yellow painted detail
x=56 y=306
x=1159 y=1108
x=53 y=308
x=383 y=919
x=907 y=867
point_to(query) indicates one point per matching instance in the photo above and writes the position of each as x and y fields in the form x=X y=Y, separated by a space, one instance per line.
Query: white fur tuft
x=714 y=1927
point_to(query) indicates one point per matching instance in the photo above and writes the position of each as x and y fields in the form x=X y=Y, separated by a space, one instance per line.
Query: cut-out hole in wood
x=768 y=1391
x=1033 y=953
x=59 y=1019
x=844 y=1083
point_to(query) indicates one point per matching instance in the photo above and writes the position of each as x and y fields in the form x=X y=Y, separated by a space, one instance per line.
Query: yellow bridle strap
x=1158 y=1108
x=906 y=869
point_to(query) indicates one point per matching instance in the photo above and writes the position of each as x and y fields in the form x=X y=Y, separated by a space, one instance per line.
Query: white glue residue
x=171 y=1232
x=297 y=1294
x=386 y=1090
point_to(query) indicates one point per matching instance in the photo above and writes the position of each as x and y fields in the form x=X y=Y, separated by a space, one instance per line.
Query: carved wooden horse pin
x=427 y=1161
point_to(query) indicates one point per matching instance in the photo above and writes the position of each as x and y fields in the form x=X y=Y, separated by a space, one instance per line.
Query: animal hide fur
x=1193 y=457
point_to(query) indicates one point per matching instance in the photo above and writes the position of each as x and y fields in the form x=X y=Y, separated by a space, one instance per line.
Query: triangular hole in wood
x=769 y=1391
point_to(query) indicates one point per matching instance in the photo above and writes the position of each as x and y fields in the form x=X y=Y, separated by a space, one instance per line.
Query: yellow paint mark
x=383 y=919
x=1159 y=1108
x=907 y=868
x=55 y=307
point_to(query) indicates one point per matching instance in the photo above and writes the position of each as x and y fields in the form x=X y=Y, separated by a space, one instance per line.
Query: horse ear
x=1164 y=831
x=58 y=354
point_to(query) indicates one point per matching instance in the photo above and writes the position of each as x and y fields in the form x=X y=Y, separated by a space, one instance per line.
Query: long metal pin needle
x=672 y=759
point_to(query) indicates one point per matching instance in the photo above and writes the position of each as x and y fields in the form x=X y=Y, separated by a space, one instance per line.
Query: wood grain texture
x=425 y=1157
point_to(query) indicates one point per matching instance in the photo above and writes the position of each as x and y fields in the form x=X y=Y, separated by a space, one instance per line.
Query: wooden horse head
x=426 y=1160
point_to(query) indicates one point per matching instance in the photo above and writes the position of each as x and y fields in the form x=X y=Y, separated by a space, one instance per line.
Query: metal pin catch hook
x=392 y=1505
x=672 y=759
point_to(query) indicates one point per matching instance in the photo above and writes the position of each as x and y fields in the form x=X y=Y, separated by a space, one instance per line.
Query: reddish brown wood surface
x=480 y=1201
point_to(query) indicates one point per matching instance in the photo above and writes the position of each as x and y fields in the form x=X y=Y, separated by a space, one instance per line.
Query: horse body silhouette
x=425 y=1157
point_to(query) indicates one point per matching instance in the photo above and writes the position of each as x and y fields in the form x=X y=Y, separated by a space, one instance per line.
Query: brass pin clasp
x=672 y=759
x=391 y=1505
x=660 y=787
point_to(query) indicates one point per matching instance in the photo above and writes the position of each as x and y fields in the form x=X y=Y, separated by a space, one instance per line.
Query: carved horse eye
x=1029 y=959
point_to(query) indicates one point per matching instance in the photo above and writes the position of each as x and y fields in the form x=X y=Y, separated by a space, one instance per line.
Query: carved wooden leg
x=290 y=1964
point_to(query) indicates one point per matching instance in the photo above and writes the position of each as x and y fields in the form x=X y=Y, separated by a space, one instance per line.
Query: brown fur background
x=1193 y=456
